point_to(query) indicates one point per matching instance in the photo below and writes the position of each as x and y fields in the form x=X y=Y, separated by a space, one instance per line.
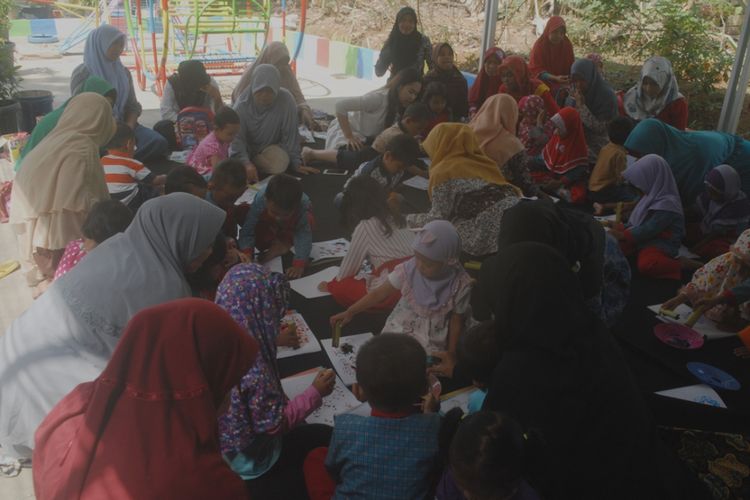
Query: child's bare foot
x=308 y=155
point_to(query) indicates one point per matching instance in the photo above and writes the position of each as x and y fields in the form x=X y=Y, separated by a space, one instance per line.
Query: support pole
x=490 y=25
x=737 y=85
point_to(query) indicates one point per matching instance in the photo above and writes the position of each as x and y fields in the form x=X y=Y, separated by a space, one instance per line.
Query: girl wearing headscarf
x=723 y=285
x=260 y=418
x=48 y=123
x=534 y=129
x=656 y=225
x=435 y=291
x=691 y=155
x=595 y=101
x=657 y=95
x=562 y=375
x=268 y=140
x=146 y=427
x=61 y=180
x=488 y=79
x=277 y=54
x=465 y=188
x=68 y=335
x=446 y=72
x=189 y=87
x=517 y=82
x=101 y=57
x=724 y=212
x=494 y=126
x=595 y=257
x=565 y=158
x=359 y=120
x=405 y=47
x=551 y=56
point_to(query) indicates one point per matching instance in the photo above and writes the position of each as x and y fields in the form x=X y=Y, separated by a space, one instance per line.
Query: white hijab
x=638 y=105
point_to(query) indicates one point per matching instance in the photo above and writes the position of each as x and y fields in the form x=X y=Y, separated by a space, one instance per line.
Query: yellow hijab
x=455 y=154
x=495 y=127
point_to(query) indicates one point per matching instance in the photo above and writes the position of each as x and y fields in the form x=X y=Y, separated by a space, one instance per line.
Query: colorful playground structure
x=224 y=34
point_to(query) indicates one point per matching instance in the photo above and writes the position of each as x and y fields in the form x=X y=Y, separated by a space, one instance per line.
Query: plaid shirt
x=383 y=458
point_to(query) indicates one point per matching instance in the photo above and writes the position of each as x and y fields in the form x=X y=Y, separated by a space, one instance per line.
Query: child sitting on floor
x=128 y=180
x=228 y=182
x=105 y=219
x=389 y=167
x=566 y=159
x=723 y=285
x=656 y=226
x=412 y=123
x=378 y=236
x=435 y=291
x=393 y=452
x=724 y=212
x=260 y=419
x=215 y=146
x=185 y=179
x=436 y=98
x=280 y=217
x=606 y=183
x=534 y=129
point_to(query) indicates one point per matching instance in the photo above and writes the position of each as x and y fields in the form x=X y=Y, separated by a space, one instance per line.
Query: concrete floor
x=43 y=68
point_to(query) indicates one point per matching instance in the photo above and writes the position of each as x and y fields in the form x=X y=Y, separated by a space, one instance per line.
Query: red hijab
x=485 y=85
x=526 y=84
x=147 y=427
x=546 y=56
x=563 y=154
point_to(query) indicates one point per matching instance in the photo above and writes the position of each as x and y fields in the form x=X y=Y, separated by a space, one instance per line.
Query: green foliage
x=5 y=6
x=687 y=33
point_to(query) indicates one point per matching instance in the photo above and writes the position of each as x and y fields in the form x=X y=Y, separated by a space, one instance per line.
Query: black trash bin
x=34 y=103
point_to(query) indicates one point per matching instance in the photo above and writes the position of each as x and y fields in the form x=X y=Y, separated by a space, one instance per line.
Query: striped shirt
x=122 y=175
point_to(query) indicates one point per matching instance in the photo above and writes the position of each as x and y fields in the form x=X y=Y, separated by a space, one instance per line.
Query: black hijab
x=403 y=48
x=187 y=83
x=561 y=374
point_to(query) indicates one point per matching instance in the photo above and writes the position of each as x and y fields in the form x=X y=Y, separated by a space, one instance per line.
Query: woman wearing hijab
x=61 y=180
x=691 y=155
x=595 y=101
x=488 y=79
x=466 y=188
x=446 y=72
x=656 y=225
x=48 y=123
x=562 y=375
x=261 y=426
x=494 y=126
x=277 y=54
x=657 y=95
x=517 y=82
x=268 y=140
x=724 y=212
x=552 y=56
x=146 y=427
x=68 y=335
x=189 y=87
x=405 y=47
x=595 y=257
x=101 y=57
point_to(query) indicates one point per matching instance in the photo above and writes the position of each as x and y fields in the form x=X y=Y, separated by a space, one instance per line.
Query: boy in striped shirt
x=128 y=180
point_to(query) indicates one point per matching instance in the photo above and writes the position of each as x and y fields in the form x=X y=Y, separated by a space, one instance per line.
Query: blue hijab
x=691 y=155
x=96 y=60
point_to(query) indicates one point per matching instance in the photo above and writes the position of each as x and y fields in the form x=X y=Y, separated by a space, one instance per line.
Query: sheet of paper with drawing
x=308 y=286
x=704 y=326
x=331 y=249
x=308 y=343
x=700 y=393
x=341 y=400
x=344 y=357
x=457 y=399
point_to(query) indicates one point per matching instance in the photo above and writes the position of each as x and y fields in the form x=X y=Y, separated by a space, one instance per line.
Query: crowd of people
x=146 y=366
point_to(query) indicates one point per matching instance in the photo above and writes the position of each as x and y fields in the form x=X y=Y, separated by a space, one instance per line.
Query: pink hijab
x=495 y=128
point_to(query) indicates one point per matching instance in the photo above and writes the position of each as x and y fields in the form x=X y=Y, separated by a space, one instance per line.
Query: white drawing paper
x=331 y=249
x=456 y=399
x=417 y=182
x=307 y=341
x=704 y=326
x=602 y=218
x=700 y=393
x=247 y=197
x=308 y=286
x=344 y=357
x=341 y=400
x=274 y=265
